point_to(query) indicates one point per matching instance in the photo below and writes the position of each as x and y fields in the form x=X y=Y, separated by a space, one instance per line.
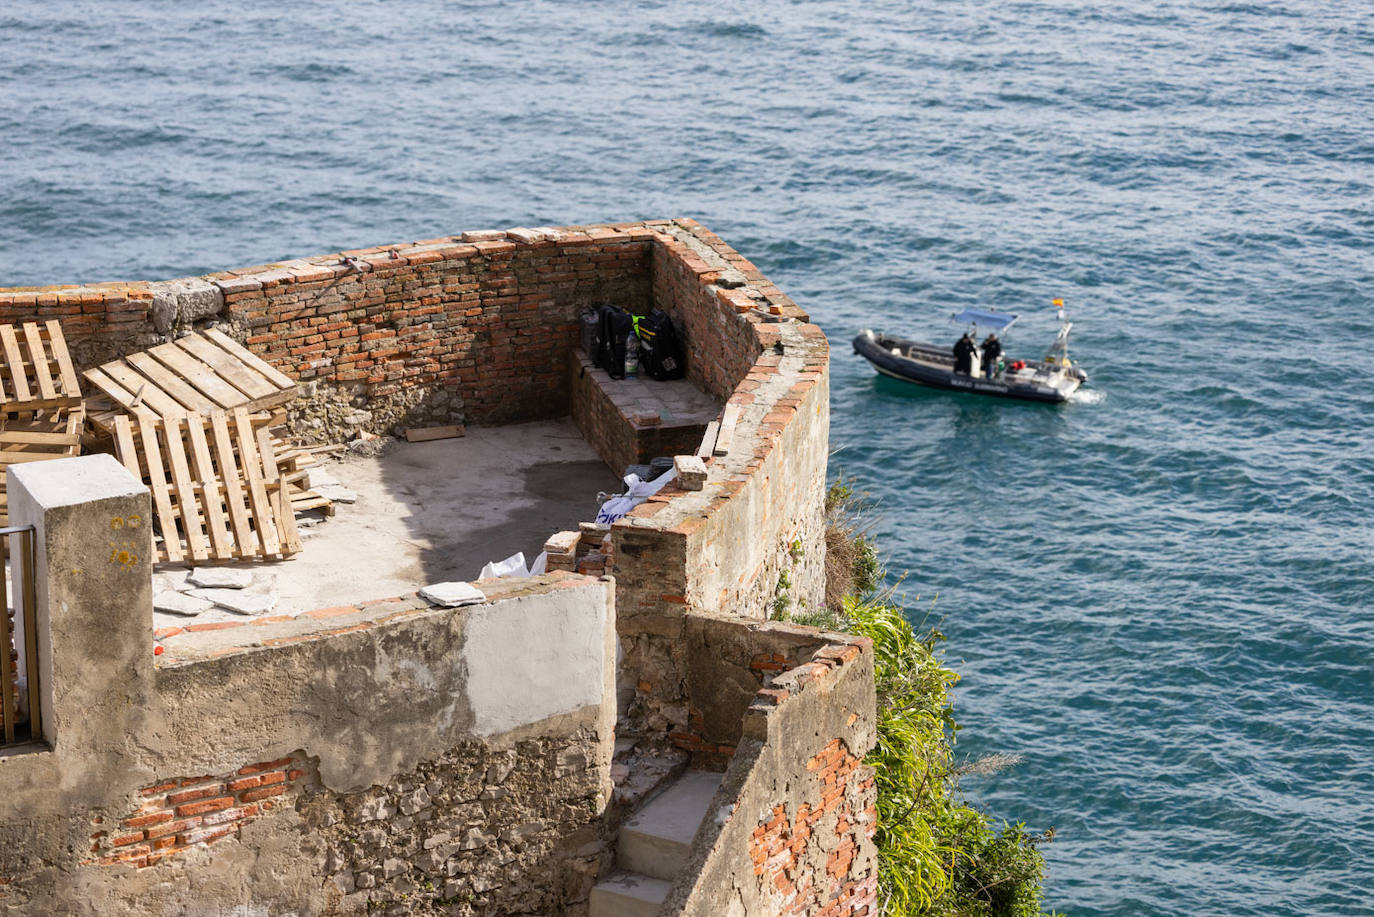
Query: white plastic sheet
x=515 y=566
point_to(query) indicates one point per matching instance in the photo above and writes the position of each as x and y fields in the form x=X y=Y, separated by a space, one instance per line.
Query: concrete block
x=691 y=472
x=627 y=895
x=657 y=840
x=187 y=300
x=93 y=603
x=522 y=234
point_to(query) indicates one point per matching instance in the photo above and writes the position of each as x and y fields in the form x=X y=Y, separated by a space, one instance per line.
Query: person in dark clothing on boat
x=963 y=354
x=992 y=349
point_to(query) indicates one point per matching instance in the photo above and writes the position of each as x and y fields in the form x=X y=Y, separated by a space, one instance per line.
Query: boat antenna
x=1061 y=340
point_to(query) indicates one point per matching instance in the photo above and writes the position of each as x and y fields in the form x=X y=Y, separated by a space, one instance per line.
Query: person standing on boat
x=992 y=350
x=963 y=354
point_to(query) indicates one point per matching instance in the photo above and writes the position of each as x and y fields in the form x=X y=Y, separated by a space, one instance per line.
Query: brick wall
x=98 y=320
x=477 y=331
x=621 y=438
x=179 y=813
x=473 y=328
x=798 y=806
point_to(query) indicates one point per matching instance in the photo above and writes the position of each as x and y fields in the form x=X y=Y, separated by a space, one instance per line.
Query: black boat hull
x=877 y=350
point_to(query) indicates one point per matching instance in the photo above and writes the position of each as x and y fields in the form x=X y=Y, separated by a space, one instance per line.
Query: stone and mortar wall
x=728 y=661
x=790 y=832
x=412 y=762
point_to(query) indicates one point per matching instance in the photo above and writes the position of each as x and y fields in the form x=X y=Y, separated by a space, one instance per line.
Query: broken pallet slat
x=708 y=440
x=725 y=437
x=426 y=434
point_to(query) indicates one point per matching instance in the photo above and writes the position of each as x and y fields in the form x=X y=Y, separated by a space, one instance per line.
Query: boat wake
x=1087 y=396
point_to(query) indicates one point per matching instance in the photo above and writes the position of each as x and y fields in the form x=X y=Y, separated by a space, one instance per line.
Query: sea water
x=1158 y=595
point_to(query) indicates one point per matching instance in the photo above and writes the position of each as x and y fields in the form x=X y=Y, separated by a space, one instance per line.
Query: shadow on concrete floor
x=437 y=511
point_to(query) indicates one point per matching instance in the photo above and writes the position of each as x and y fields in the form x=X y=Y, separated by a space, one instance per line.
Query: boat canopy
x=995 y=321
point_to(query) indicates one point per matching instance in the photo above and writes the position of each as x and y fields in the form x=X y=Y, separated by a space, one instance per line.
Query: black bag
x=660 y=356
x=616 y=326
x=589 y=323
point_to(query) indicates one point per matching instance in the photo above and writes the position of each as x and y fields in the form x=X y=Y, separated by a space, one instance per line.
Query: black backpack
x=661 y=356
x=589 y=324
x=615 y=327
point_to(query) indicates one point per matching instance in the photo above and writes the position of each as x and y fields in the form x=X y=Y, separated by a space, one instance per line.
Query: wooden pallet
x=35 y=369
x=201 y=373
x=34 y=436
x=218 y=493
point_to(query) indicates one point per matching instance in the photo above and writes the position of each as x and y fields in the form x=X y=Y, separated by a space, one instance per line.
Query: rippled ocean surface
x=1161 y=595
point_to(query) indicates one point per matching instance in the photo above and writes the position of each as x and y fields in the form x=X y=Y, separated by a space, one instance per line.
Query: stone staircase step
x=656 y=840
x=627 y=894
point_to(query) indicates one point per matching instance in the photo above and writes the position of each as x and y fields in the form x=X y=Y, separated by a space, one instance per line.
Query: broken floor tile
x=245 y=603
x=179 y=603
x=220 y=578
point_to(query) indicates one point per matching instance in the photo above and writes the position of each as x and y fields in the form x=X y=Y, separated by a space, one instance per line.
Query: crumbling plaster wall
x=362 y=766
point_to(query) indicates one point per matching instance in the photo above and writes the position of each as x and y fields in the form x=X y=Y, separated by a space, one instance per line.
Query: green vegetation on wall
x=938 y=854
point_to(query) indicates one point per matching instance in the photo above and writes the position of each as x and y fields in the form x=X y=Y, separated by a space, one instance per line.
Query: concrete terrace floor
x=431 y=512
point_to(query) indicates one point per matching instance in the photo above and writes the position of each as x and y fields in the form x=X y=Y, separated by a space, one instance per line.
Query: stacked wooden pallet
x=194 y=418
x=217 y=492
x=41 y=412
x=202 y=373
